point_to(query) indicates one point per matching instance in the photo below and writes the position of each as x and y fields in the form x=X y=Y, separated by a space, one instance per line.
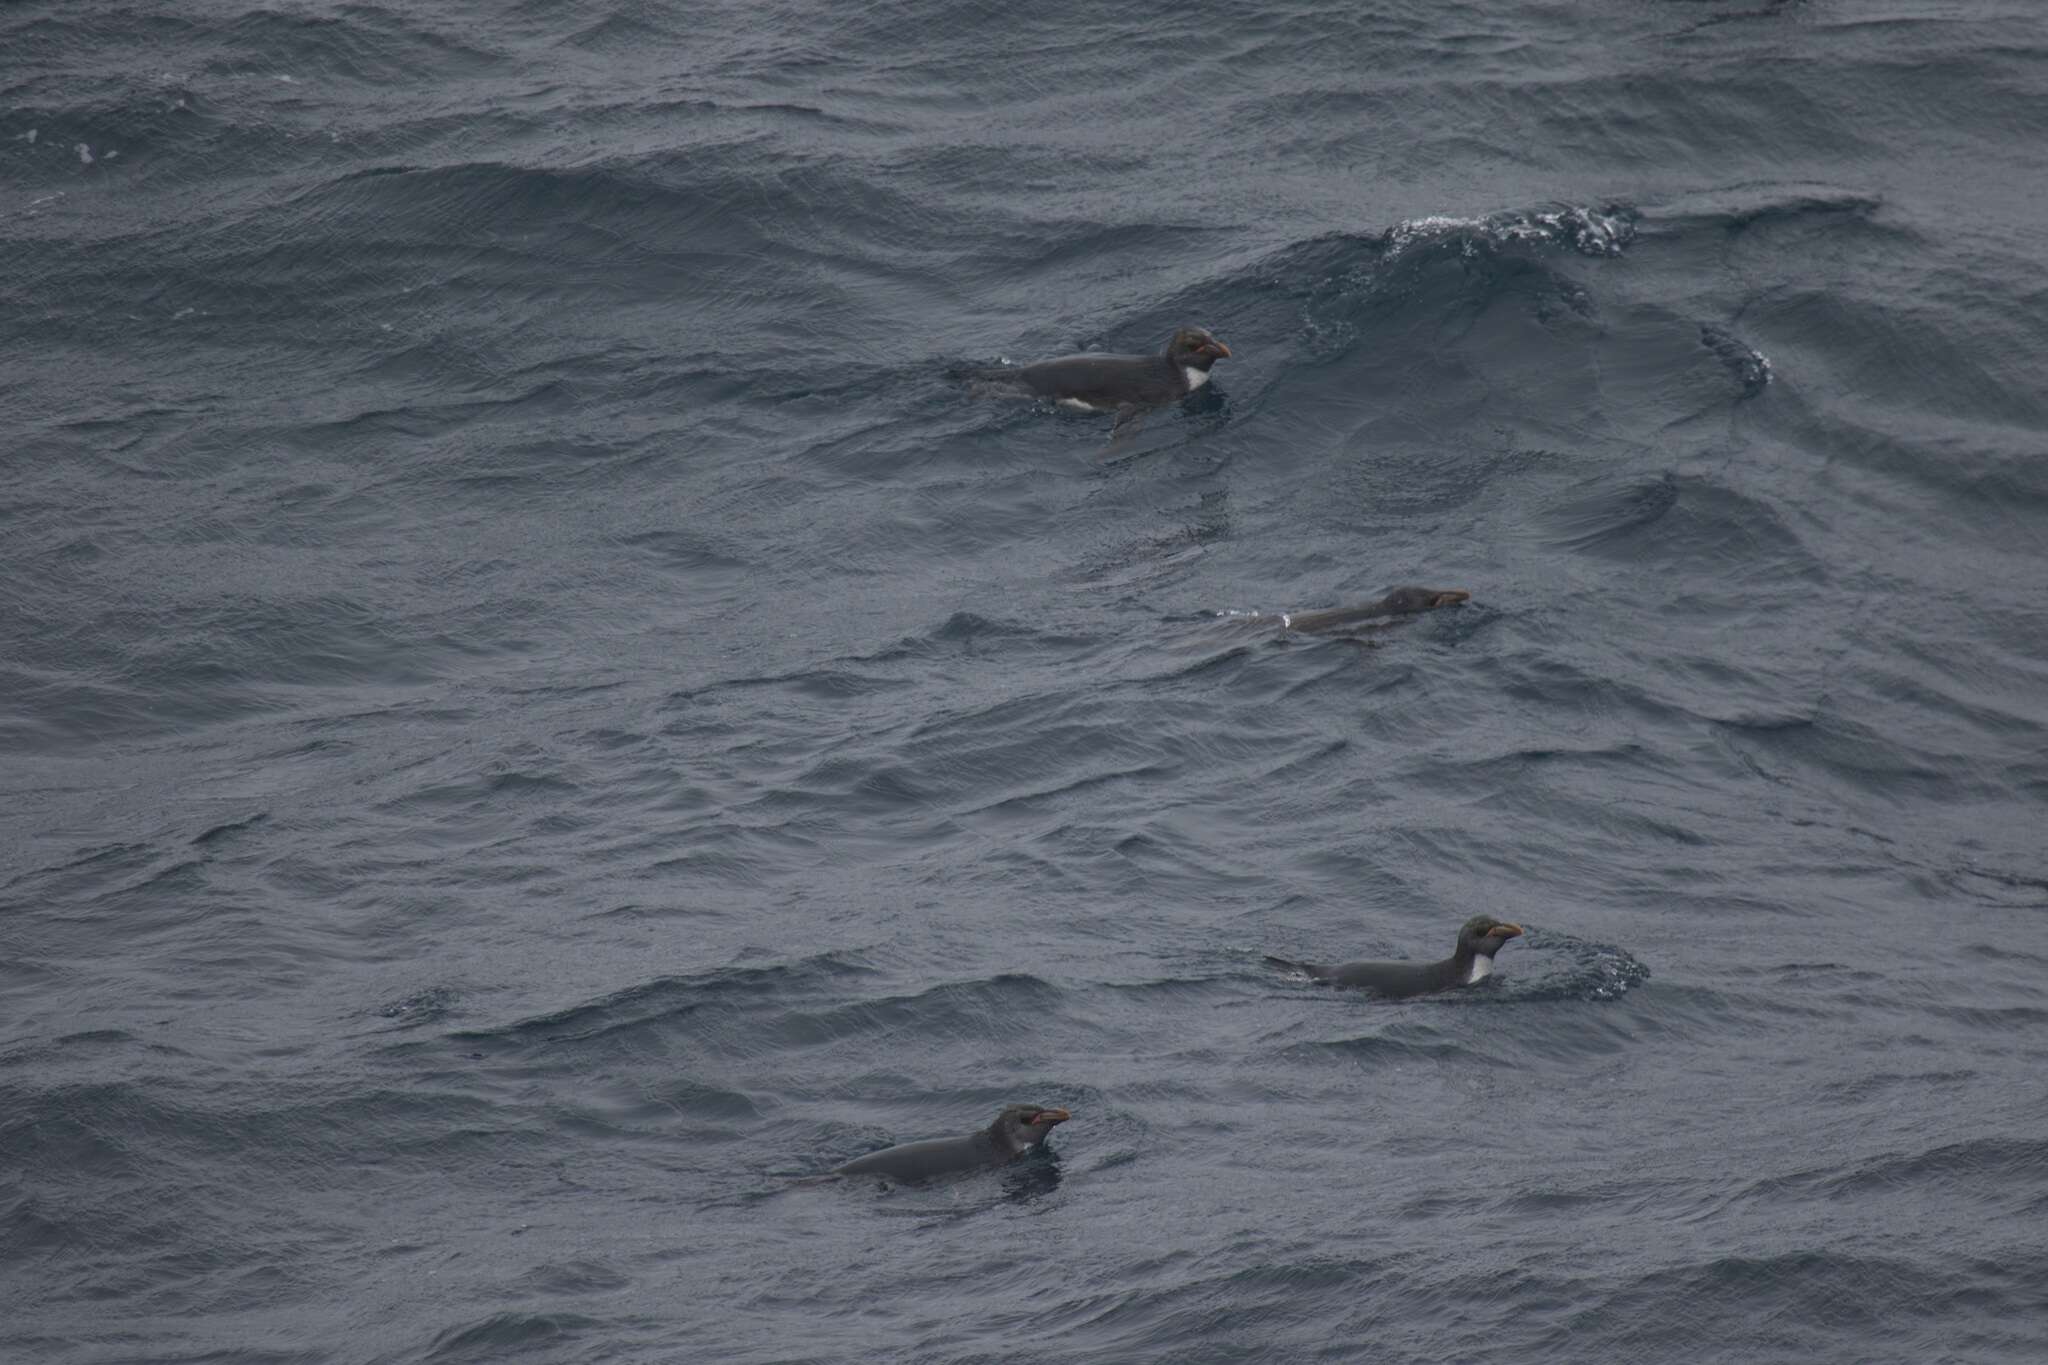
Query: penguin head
x=1026 y=1125
x=1404 y=600
x=1193 y=347
x=1483 y=935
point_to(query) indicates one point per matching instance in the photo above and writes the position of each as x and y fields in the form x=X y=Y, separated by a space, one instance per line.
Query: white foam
x=1589 y=231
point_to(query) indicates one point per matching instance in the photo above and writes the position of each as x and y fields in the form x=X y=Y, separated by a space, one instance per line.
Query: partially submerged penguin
x=1398 y=602
x=1131 y=386
x=1017 y=1130
x=1481 y=937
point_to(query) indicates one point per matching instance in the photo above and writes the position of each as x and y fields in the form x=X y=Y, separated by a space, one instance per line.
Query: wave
x=511 y=1334
x=1604 y=231
x=1424 y=270
x=1681 y=521
x=1581 y=969
x=653 y=1004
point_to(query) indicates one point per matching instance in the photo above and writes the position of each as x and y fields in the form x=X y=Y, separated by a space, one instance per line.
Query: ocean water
x=534 y=716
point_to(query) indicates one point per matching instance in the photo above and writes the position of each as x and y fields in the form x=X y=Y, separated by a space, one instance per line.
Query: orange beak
x=1052 y=1116
x=1451 y=597
x=1222 y=351
x=1505 y=931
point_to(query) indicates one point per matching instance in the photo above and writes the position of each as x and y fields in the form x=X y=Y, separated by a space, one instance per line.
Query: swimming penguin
x=1397 y=603
x=1479 y=939
x=1128 y=385
x=1018 y=1129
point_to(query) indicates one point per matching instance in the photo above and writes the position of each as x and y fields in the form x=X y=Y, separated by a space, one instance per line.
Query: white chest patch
x=1482 y=967
x=1196 y=378
x=1079 y=406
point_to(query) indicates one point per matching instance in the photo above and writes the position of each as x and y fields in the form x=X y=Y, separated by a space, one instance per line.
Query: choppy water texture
x=535 y=716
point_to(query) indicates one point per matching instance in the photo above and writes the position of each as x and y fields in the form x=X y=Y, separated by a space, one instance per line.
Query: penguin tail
x=1314 y=971
x=992 y=381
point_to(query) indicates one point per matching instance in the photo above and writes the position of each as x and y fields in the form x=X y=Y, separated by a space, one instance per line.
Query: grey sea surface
x=534 y=716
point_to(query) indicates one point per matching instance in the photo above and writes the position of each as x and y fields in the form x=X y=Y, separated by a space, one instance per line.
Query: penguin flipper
x=1129 y=419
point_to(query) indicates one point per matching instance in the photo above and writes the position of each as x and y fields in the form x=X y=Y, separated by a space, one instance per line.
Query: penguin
x=1478 y=940
x=1130 y=386
x=1018 y=1129
x=1398 y=603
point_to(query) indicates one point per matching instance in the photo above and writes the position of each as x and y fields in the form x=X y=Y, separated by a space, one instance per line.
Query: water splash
x=1606 y=231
